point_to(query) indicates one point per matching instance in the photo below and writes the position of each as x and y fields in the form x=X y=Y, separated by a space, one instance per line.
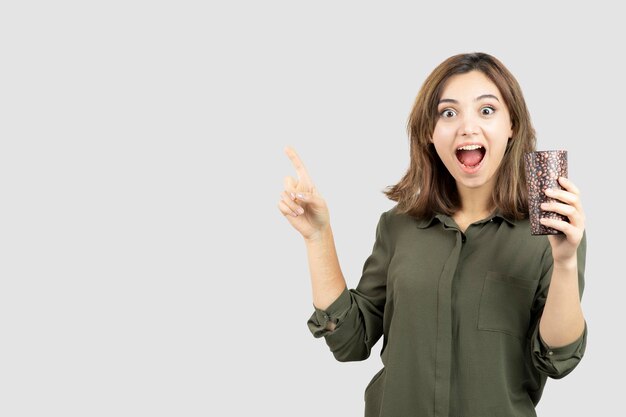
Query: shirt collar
x=428 y=221
x=498 y=214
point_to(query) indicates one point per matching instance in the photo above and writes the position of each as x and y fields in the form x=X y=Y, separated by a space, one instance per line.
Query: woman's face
x=472 y=129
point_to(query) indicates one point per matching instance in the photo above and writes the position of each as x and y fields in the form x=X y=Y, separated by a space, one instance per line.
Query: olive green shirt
x=459 y=312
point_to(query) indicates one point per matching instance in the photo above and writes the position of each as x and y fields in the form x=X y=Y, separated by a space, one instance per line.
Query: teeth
x=469 y=148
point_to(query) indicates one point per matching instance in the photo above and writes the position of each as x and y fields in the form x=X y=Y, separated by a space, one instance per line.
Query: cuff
x=334 y=312
x=559 y=361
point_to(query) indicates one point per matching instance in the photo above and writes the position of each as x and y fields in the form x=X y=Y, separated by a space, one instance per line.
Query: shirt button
x=550 y=353
x=463 y=239
x=326 y=316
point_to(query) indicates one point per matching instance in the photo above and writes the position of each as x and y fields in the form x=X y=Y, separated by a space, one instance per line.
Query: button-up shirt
x=459 y=314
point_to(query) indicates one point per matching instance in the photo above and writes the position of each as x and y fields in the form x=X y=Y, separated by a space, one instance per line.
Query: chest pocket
x=505 y=304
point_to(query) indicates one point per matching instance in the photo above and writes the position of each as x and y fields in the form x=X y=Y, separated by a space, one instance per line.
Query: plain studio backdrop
x=145 y=268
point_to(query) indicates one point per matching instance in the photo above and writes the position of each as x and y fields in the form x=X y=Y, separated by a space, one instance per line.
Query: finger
x=303 y=174
x=291 y=185
x=293 y=206
x=564 y=196
x=572 y=232
x=308 y=199
x=564 y=209
x=285 y=209
x=576 y=217
x=568 y=185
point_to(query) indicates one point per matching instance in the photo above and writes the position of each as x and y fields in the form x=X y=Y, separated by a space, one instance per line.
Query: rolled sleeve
x=334 y=313
x=559 y=361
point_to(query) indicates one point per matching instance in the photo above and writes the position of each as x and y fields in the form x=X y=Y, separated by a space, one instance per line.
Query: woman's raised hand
x=300 y=202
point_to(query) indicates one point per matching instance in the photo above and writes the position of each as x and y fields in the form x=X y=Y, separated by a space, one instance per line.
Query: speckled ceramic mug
x=543 y=168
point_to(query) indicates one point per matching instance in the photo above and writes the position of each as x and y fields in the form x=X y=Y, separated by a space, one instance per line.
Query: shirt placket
x=443 y=359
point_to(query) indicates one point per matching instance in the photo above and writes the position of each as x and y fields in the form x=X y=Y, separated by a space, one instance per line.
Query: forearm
x=562 y=321
x=327 y=281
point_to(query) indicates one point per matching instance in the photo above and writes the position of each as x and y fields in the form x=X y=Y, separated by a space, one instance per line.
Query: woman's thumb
x=310 y=197
x=301 y=195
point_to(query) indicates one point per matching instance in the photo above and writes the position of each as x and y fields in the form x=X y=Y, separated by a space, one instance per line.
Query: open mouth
x=470 y=156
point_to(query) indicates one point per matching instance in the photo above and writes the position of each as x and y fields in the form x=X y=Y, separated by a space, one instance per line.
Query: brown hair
x=427 y=187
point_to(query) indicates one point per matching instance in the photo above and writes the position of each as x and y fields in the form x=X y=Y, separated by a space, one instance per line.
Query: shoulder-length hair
x=427 y=187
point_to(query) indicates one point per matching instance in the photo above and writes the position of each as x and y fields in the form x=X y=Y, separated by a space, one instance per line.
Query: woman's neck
x=476 y=203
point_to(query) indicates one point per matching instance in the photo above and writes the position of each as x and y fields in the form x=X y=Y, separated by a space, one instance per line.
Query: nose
x=469 y=126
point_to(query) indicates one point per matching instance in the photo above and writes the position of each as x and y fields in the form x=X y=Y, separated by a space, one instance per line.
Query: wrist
x=566 y=264
x=319 y=236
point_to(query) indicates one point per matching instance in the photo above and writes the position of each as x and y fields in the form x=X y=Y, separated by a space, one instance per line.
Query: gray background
x=145 y=268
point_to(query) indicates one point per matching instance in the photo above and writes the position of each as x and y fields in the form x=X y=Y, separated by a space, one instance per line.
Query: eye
x=447 y=113
x=487 y=111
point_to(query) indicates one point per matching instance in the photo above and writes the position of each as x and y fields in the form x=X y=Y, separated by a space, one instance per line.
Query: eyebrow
x=450 y=100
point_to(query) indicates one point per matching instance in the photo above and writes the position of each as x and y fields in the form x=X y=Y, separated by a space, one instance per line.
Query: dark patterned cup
x=543 y=168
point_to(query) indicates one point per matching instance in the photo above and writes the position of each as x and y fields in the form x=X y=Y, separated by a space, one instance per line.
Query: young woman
x=475 y=311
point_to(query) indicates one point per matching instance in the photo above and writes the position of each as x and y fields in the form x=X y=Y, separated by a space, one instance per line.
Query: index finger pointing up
x=303 y=175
